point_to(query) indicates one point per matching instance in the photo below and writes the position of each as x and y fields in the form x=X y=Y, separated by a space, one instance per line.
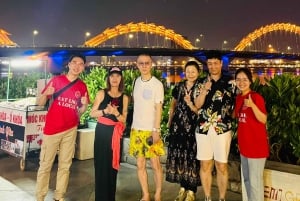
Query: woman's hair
x=247 y=73
x=77 y=55
x=121 y=85
x=192 y=63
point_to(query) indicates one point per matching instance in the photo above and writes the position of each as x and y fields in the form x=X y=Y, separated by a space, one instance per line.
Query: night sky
x=66 y=21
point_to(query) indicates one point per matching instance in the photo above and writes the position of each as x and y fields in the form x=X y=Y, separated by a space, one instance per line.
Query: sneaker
x=207 y=199
x=181 y=195
x=190 y=196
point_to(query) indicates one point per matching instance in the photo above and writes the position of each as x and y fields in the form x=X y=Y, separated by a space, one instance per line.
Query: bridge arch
x=139 y=27
x=4 y=39
x=246 y=41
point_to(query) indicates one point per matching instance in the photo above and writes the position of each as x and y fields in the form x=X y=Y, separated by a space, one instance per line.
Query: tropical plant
x=18 y=84
x=281 y=93
x=282 y=96
x=95 y=80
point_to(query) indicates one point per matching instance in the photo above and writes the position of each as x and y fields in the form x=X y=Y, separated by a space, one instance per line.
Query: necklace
x=146 y=80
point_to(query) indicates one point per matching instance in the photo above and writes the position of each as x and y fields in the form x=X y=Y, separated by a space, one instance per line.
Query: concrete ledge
x=85 y=144
x=281 y=170
x=233 y=167
x=283 y=167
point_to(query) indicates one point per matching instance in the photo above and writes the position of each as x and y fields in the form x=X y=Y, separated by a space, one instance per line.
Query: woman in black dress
x=110 y=108
x=182 y=166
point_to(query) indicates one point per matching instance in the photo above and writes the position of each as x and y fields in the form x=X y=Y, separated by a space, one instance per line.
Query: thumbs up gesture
x=84 y=99
x=248 y=101
x=50 y=89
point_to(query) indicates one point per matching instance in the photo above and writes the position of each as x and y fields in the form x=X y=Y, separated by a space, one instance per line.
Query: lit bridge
x=255 y=50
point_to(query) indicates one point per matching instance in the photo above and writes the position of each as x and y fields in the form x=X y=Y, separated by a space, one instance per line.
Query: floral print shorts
x=139 y=147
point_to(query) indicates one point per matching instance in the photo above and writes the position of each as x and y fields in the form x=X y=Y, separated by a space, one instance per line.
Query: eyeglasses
x=77 y=63
x=242 y=80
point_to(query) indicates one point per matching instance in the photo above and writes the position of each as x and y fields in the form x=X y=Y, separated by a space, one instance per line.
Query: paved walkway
x=16 y=185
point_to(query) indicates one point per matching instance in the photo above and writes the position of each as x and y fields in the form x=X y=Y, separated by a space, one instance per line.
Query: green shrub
x=282 y=96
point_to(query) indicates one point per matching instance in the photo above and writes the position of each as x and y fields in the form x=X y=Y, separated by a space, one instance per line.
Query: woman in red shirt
x=253 y=144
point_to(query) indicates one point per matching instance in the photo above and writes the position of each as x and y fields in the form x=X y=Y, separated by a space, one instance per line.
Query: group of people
x=200 y=130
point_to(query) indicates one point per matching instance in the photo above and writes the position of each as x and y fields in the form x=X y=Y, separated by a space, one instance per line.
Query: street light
x=130 y=36
x=201 y=40
x=197 y=40
x=34 y=33
x=166 y=39
x=87 y=34
x=288 y=49
x=270 y=48
x=223 y=47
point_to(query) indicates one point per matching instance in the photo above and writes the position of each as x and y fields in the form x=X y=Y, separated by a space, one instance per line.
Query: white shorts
x=213 y=146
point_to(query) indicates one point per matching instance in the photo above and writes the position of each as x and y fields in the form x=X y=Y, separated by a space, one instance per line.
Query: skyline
x=67 y=21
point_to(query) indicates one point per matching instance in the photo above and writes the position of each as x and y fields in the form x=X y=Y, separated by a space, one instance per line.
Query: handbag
x=56 y=94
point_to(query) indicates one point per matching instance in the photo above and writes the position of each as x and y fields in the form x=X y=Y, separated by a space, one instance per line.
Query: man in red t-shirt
x=61 y=126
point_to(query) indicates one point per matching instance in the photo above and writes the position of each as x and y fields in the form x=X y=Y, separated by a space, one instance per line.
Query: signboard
x=281 y=186
x=20 y=130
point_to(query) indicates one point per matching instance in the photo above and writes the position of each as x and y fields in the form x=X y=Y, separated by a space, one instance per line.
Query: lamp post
x=34 y=33
x=166 y=39
x=130 y=36
x=201 y=40
x=87 y=34
x=197 y=40
x=8 y=80
x=270 y=48
x=224 y=43
x=288 y=49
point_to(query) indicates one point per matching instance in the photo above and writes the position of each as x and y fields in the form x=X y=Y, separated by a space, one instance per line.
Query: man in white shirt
x=145 y=139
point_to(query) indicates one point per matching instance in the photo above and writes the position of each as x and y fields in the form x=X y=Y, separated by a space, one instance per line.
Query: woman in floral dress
x=182 y=166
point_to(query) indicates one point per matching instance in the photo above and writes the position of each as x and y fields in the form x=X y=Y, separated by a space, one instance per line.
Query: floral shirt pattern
x=218 y=106
x=181 y=164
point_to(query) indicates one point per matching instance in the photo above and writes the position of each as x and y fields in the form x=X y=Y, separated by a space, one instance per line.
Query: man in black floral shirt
x=213 y=132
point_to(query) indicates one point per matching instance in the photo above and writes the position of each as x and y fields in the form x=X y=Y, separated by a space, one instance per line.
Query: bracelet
x=118 y=115
x=156 y=130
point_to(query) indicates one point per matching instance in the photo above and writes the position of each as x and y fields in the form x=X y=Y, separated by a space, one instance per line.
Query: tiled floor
x=16 y=185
